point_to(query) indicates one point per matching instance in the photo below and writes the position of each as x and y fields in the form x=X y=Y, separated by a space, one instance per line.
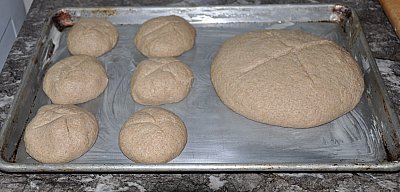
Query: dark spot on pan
x=35 y=60
x=105 y=11
x=389 y=156
x=343 y=12
x=50 y=50
x=321 y=21
x=62 y=19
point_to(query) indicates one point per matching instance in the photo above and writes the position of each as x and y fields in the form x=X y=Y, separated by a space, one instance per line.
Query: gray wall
x=12 y=16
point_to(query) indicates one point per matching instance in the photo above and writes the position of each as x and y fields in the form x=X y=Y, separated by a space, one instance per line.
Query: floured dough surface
x=92 y=37
x=153 y=135
x=60 y=133
x=286 y=78
x=165 y=36
x=157 y=81
x=74 y=80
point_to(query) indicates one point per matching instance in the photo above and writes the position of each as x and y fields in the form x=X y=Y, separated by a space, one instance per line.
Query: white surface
x=12 y=16
x=27 y=4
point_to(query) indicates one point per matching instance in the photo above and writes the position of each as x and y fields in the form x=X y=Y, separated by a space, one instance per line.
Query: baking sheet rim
x=392 y=166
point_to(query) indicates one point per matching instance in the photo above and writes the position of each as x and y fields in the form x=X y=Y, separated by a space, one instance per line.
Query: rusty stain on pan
x=343 y=12
x=105 y=11
x=62 y=19
x=345 y=18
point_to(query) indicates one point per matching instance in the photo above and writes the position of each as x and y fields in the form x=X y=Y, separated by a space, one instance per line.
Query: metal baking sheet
x=365 y=139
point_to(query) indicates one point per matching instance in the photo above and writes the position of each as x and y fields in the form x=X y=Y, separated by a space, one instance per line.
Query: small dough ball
x=92 y=37
x=74 y=80
x=153 y=135
x=165 y=36
x=286 y=78
x=60 y=133
x=158 y=81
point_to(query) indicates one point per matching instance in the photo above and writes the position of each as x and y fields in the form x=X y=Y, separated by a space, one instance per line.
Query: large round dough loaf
x=158 y=81
x=74 y=80
x=286 y=78
x=60 y=133
x=92 y=37
x=165 y=36
x=153 y=135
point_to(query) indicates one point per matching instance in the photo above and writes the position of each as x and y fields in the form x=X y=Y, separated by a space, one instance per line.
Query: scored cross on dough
x=286 y=78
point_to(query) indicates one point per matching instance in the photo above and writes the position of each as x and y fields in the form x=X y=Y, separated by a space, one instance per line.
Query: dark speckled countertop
x=382 y=40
